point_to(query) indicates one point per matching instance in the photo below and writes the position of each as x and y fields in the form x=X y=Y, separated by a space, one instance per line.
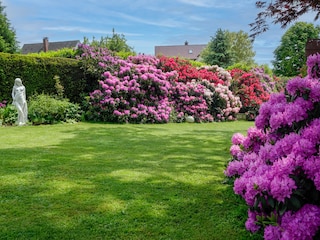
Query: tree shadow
x=121 y=183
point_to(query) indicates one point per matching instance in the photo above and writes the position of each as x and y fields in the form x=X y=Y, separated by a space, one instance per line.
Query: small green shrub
x=45 y=109
x=64 y=53
x=124 y=54
x=8 y=115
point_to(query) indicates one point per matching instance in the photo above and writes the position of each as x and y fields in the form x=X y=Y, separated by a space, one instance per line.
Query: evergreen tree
x=8 y=41
x=217 y=52
x=290 y=56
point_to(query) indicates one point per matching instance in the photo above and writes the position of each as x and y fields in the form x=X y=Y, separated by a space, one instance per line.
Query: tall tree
x=116 y=43
x=290 y=55
x=8 y=42
x=282 y=12
x=217 y=52
x=241 y=48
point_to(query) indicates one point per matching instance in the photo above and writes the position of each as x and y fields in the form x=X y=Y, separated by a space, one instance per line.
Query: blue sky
x=144 y=23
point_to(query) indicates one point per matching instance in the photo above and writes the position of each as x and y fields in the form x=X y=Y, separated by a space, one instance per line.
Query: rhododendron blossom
x=276 y=167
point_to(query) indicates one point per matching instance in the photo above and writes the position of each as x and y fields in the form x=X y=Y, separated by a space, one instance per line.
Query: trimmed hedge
x=37 y=74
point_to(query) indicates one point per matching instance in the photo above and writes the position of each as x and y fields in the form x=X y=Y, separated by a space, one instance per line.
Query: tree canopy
x=241 y=48
x=217 y=52
x=290 y=56
x=282 y=12
x=227 y=48
x=8 y=42
x=115 y=43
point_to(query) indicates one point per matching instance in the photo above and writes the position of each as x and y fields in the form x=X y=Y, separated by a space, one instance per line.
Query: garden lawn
x=112 y=181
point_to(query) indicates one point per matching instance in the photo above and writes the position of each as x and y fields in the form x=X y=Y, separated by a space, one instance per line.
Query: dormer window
x=190 y=51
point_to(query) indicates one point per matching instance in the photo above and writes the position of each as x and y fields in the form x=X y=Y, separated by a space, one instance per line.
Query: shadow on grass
x=122 y=182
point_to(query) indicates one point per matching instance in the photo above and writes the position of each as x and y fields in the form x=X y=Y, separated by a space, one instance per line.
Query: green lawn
x=111 y=181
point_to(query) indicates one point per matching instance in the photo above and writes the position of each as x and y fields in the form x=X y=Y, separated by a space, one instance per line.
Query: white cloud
x=198 y=3
x=196 y=18
x=163 y=22
x=85 y=30
x=218 y=3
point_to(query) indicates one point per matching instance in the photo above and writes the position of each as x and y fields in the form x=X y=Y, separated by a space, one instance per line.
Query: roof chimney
x=186 y=43
x=45 y=44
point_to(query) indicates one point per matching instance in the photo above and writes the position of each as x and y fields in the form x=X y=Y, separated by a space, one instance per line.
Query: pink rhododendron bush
x=276 y=167
x=139 y=90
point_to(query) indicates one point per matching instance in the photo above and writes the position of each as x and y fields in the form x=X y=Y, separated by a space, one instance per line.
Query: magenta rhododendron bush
x=276 y=167
x=141 y=90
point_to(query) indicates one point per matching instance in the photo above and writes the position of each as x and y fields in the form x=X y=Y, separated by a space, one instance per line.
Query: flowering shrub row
x=141 y=90
x=276 y=167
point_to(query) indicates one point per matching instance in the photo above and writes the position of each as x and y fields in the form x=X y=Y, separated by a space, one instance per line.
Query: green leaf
x=271 y=201
x=264 y=203
x=295 y=202
x=256 y=204
x=282 y=209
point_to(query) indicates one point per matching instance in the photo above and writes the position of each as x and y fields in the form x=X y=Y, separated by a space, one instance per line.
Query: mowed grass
x=112 y=181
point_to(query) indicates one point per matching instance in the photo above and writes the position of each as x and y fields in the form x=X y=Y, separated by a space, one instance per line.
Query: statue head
x=18 y=82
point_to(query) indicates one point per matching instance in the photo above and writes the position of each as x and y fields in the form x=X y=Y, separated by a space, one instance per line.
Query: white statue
x=19 y=100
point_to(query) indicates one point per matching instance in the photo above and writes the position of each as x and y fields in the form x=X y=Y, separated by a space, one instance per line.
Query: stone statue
x=19 y=101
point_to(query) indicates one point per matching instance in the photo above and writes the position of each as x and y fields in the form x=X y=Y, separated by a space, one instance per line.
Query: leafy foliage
x=217 y=52
x=38 y=75
x=290 y=56
x=241 y=49
x=282 y=12
x=64 y=53
x=116 y=43
x=45 y=109
x=8 y=115
x=8 y=42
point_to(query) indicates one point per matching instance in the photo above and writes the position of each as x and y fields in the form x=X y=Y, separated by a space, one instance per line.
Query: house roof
x=52 y=46
x=184 y=51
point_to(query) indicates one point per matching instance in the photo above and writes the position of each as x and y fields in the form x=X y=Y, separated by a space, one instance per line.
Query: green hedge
x=37 y=74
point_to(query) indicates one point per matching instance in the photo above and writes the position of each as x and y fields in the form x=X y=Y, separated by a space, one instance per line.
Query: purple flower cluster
x=276 y=167
x=135 y=93
x=301 y=225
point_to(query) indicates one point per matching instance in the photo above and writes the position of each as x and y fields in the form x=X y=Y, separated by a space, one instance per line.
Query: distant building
x=187 y=51
x=48 y=46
